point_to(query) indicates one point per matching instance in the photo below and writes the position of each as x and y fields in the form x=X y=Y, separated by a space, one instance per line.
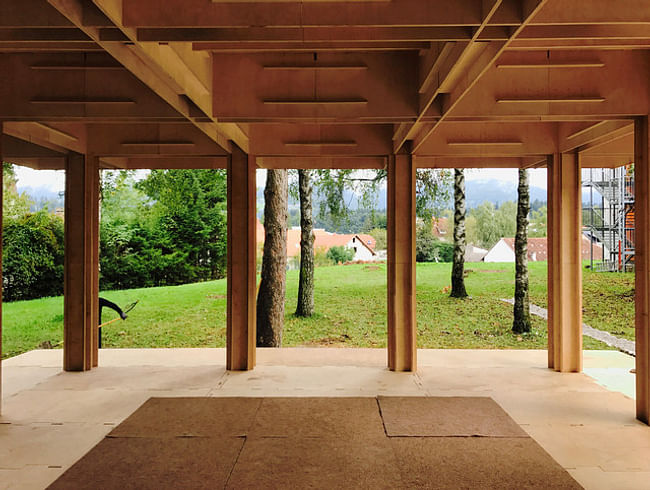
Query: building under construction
x=608 y=217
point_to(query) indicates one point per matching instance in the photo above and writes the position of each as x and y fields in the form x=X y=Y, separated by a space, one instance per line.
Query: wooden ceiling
x=468 y=83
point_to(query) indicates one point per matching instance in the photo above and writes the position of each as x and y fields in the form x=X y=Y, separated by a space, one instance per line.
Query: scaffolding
x=608 y=217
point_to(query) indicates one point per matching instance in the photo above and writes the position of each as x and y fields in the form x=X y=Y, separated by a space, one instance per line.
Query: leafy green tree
x=340 y=254
x=32 y=255
x=538 y=221
x=169 y=228
x=492 y=224
x=380 y=236
x=14 y=204
x=426 y=249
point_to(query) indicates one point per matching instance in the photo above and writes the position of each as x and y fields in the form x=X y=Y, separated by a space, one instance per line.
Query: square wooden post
x=642 y=266
x=241 y=321
x=80 y=310
x=565 y=263
x=402 y=346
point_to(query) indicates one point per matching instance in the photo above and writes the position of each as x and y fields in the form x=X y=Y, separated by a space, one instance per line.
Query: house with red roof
x=362 y=244
x=504 y=250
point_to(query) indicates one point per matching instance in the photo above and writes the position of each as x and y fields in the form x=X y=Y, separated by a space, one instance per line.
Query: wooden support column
x=241 y=324
x=81 y=290
x=565 y=263
x=402 y=347
x=642 y=266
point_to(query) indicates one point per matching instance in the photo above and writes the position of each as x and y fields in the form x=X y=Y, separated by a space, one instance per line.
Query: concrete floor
x=585 y=421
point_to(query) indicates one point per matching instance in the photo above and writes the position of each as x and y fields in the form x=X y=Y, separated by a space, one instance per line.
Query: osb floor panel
x=50 y=419
x=316 y=443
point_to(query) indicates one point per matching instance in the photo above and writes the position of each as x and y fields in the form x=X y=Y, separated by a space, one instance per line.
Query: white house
x=504 y=250
x=362 y=250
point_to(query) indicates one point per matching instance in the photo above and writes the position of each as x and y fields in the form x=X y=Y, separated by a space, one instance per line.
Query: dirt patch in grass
x=332 y=341
x=371 y=268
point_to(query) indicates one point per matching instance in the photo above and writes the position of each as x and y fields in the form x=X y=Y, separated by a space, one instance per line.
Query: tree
x=14 y=205
x=32 y=256
x=426 y=249
x=340 y=254
x=538 y=218
x=521 y=322
x=271 y=295
x=305 y=307
x=458 y=269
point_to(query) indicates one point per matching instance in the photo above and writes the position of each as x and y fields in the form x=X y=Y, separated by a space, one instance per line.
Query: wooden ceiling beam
x=200 y=13
x=575 y=12
x=74 y=11
x=309 y=34
x=163 y=162
x=68 y=138
x=309 y=47
x=579 y=136
x=150 y=140
x=320 y=162
x=460 y=56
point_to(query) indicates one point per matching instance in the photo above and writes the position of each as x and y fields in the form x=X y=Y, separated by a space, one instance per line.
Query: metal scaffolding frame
x=608 y=216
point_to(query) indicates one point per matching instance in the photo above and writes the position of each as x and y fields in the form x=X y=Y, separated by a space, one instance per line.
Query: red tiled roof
x=538 y=246
x=323 y=239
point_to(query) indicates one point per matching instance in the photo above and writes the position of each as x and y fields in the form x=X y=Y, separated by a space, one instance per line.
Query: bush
x=429 y=249
x=340 y=254
x=32 y=255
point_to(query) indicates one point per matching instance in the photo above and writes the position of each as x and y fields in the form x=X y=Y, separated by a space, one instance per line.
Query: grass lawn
x=351 y=311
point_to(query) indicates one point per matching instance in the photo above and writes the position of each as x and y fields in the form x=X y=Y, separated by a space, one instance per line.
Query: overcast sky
x=55 y=179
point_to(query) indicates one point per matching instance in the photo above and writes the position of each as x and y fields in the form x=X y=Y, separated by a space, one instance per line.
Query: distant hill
x=42 y=197
x=477 y=192
x=497 y=192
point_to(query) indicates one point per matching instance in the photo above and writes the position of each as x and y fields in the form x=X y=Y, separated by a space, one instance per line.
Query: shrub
x=32 y=256
x=340 y=254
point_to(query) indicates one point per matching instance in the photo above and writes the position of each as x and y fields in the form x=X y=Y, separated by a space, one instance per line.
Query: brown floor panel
x=315 y=463
x=478 y=462
x=318 y=417
x=172 y=417
x=446 y=416
x=154 y=463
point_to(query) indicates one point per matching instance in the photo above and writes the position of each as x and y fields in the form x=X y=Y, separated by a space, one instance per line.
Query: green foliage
x=169 y=228
x=32 y=255
x=380 y=236
x=340 y=254
x=538 y=221
x=428 y=248
x=14 y=205
x=489 y=224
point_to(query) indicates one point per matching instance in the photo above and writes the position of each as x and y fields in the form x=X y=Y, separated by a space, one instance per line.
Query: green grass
x=351 y=311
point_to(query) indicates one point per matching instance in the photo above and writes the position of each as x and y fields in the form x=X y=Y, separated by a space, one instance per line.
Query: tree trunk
x=306 y=284
x=458 y=268
x=270 y=298
x=521 y=321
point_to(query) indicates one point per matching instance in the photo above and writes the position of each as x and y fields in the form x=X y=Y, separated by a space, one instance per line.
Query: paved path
x=623 y=345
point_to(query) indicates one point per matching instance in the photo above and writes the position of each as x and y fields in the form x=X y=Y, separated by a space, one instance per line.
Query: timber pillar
x=402 y=348
x=642 y=266
x=241 y=324
x=564 y=263
x=81 y=283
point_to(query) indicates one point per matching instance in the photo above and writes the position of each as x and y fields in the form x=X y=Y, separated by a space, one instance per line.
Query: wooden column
x=81 y=290
x=241 y=325
x=642 y=267
x=402 y=348
x=565 y=263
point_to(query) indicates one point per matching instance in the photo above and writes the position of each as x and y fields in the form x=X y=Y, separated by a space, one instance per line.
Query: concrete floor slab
x=586 y=422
